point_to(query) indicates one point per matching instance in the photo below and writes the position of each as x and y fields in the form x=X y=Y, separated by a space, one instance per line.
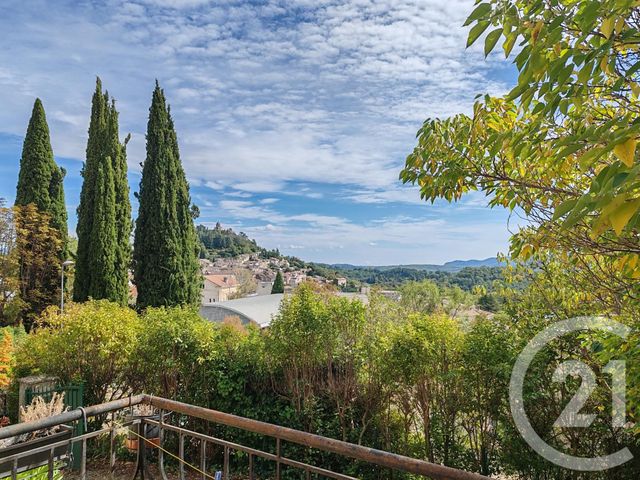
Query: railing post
x=50 y=465
x=142 y=449
x=250 y=466
x=14 y=469
x=225 y=467
x=181 y=455
x=278 y=455
x=203 y=458
x=112 y=446
x=83 y=461
x=160 y=452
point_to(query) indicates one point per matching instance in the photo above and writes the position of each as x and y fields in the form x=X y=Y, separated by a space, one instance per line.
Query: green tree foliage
x=103 y=238
x=40 y=180
x=423 y=297
x=40 y=186
x=38 y=245
x=278 y=284
x=423 y=353
x=561 y=146
x=10 y=303
x=166 y=270
x=220 y=242
x=419 y=384
x=91 y=343
x=104 y=213
x=467 y=278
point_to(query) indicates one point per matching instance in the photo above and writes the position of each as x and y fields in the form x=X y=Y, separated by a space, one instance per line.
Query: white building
x=264 y=288
x=218 y=288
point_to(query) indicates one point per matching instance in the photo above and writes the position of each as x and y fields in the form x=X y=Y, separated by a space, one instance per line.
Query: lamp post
x=66 y=263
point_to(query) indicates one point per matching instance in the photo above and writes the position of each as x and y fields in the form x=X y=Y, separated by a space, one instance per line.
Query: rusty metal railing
x=280 y=434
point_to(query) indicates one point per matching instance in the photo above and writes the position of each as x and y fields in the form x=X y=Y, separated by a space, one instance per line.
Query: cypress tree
x=40 y=180
x=166 y=270
x=41 y=220
x=103 y=235
x=103 y=229
x=278 y=284
x=124 y=224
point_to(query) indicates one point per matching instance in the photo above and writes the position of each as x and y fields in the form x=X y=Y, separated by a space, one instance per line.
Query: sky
x=294 y=118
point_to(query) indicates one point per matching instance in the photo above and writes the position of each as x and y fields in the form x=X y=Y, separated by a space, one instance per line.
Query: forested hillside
x=219 y=242
x=466 y=278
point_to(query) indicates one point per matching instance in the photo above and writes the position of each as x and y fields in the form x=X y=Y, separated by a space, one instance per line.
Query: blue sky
x=294 y=117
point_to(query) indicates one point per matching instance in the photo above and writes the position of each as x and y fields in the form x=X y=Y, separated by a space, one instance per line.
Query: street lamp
x=66 y=263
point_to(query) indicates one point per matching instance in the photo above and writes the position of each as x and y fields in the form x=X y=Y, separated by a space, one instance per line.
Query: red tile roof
x=224 y=281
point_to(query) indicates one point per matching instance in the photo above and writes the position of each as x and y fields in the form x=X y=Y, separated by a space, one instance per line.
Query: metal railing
x=370 y=456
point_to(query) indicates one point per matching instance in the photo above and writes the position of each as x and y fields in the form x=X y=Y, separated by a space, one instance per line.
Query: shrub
x=89 y=343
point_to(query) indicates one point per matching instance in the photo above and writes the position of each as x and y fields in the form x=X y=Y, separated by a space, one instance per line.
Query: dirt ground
x=124 y=471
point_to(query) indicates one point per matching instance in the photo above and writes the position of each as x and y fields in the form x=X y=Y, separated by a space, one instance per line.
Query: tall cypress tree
x=124 y=224
x=40 y=180
x=103 y=236
x=41 y=221
x=166 y=270
x=103 y=228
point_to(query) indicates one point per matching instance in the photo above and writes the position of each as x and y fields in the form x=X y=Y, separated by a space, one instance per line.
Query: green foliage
x=10 y=304
x=278 y=284
x=219 y=242
x=40 y=194
x=40 y=179
x=91 y=343
x=104 y=213
x=561 y=146
x=424 y=297
x=489 y=302
x=173 y=342
x=467 y=278
x=40 y=473
x=420 y=384
x=38 y=245
x=166 y=270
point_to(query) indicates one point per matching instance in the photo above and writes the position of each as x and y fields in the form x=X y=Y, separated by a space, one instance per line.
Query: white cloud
x=265 y=97
x=334 y=93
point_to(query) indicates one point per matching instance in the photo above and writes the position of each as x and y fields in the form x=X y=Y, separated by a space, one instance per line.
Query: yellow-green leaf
x=476 y=31
x=508 y=44
x=626 y=151
x=491 y=40
x=598 y=227
x=621 y=216
x=480 y=11
x=607 y=26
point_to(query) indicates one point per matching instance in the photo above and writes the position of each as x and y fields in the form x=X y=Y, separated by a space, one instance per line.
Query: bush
x=90 y=343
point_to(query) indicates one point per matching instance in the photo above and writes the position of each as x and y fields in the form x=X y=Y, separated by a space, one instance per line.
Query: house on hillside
x=293 y=279
x=218 y=288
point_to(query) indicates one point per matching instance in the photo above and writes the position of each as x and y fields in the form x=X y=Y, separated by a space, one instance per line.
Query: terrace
x=193 y=454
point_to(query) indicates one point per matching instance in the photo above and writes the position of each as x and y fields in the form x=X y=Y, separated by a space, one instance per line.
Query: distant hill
x=392 y=277
x=453 y=266
x=220 y=242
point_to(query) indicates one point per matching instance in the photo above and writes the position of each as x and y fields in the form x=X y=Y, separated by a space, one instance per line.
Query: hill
x=391 y=277
x=219 y=242
x=453 y=266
